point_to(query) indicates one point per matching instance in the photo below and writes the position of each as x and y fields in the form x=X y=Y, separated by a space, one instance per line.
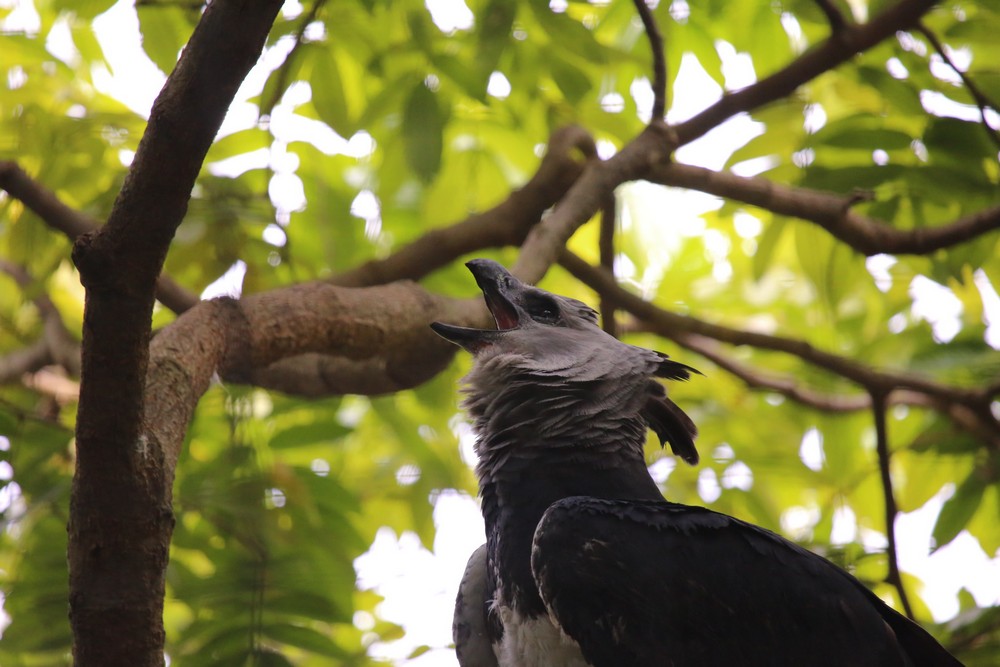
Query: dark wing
x=656 y=584
x=472 y=642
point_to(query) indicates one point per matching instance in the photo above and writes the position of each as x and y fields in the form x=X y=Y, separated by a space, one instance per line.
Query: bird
x=585 y=563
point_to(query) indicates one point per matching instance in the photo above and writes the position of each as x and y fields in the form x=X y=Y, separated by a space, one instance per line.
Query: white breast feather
x=535 y=642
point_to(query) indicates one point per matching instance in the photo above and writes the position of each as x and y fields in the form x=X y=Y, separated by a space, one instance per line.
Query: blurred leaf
x=958 y=509
x=165 y=29
x=423 y=128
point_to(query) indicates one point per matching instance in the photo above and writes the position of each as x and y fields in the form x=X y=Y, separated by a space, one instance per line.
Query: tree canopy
x=799 y=198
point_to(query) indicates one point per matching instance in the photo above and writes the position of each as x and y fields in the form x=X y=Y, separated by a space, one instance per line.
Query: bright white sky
x=419 y=586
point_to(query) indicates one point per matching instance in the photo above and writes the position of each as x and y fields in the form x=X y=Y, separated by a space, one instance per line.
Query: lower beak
x=472 y=340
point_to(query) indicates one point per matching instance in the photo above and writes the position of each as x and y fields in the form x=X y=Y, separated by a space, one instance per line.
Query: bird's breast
x=535 y=642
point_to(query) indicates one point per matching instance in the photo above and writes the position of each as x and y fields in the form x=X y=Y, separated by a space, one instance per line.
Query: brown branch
x=830 y=211
x=606 y=248
x=53 y=212
x=546 y=240
x=382 y=328
x=14 y=365
x=786 y=386
x=62 y=347
x=838 y=49
x=315 y=375
x=833 y=15
x=983 y=102
x=882 y=447
x=325 y=374
x=120 y=508
x=671 y=324
x=507 y=224
x=43 y=202
x=968 y=408
x=659 y=59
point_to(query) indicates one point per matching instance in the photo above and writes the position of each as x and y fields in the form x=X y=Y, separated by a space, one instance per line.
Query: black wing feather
x=672 y=425
x=640 y=584
x=674 y=370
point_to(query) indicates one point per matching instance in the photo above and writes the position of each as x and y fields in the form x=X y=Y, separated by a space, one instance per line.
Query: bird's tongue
x=503 y=312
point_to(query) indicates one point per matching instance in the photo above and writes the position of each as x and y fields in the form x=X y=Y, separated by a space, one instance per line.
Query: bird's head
x=548 y=350
x=535 y=329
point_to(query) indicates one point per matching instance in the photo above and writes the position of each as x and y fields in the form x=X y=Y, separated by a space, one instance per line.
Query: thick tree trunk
x=120 y=513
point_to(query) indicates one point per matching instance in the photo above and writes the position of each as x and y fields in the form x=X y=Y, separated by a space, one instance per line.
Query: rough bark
x=120 y=510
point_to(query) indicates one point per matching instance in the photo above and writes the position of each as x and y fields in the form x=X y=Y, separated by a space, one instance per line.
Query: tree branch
x=839 y=48
x=546 y=240
x=14 y=365
x=53 y=212
x=983 y=102
x=833 y=15
x=606 y=248
x=62 y=347
x=830 y=211
x=659 y=59
x=507 y=224
x=383 y=328
x=967 y=407
x=757 y=380
x=882 y=447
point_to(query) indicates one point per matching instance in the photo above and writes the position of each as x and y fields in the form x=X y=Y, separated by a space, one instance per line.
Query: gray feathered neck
x=550 y=378
x=562 y=389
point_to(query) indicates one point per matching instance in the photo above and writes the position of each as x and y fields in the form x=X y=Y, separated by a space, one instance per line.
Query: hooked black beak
x=497 y=285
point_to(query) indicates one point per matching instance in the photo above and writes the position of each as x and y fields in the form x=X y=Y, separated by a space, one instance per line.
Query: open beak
x=497 y=285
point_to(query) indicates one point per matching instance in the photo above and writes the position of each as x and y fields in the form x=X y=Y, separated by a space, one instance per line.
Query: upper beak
x=497 y=284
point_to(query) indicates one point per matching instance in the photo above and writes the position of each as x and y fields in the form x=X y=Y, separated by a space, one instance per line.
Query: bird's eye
x=543 y=311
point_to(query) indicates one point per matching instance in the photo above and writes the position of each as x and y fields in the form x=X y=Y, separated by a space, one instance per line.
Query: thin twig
x=832 y=212
x=825 y=57
x=964 y=406
x=606 y=247
x=15 y=364
x=882 y=447
x=833 y=15
x=659 y=59
x=983 y=102
x=46 y=205
x=282 y=76
x=569 y=151
x=784 y=386
x=63 y=348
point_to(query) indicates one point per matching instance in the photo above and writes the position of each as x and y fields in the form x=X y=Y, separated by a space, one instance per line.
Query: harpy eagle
x=585 y=563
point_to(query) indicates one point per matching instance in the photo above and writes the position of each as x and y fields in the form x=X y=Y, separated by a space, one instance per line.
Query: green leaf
x=165 y=30
x=333 y=82
x=493 y=27
x=959 y=509
x=762 y=259
x=300 y=435
x=423 y=132
x=303 y=637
